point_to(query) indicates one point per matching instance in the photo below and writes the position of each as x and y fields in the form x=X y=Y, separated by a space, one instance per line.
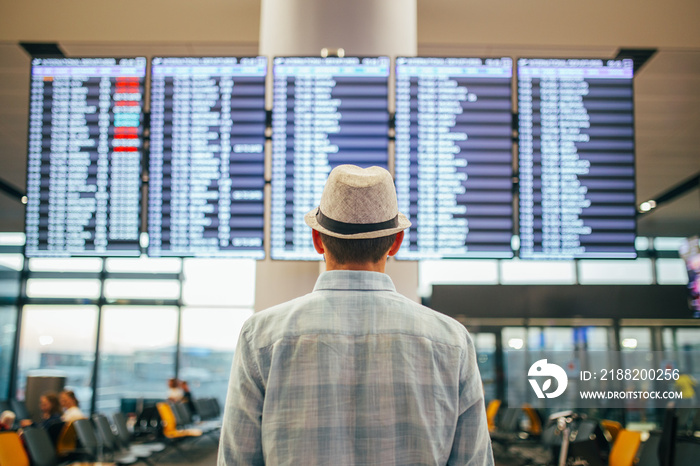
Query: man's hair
x=357 y=251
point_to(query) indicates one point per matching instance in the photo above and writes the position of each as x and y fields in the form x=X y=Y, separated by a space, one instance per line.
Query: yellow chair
x=625 y=448
x=534 y=418
x=611 y=427
x=67 y=440
x=491 y=411
x=12 y=452
x=170 y=429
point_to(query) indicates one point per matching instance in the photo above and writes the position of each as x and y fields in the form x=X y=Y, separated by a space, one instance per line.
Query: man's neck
x=367 y=266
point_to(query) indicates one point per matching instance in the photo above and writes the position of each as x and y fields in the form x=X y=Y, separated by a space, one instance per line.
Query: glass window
x=74 y=264
x=602 y=272
x=597 y=338
x=219 y=282
x=11 y=261
x=558 y=345
x=597 y=341
x=636 y=353
x=635 y=339
x=485 y=344
x=514 y=338
x=641 y=243
x=8 y=328
x=518 y=272
x=668 y=339
x=447 y=272
x=671 y=272
x=11 y=239
x=515 y=363
x=668 y=243
x=59 y=340
x=535 y=339
x=144 y=265
x=9 y=285
x=686 y=355
x=688 y=339
x=10 y=265
x=552 y=338
x=559 y=338
x=137 y=353
x=484 y=341
x=141 y=289
x=208 y=340
x=63 y=288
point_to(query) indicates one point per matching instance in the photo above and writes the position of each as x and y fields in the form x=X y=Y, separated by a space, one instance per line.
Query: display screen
x=454 y=156
x=84 y=158
x=326 y=112
x=576 y=144
x=207 y=157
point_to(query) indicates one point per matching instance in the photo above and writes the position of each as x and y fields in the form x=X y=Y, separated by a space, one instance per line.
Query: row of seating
x=568 y=435
x=99 y=440
x=13 y=452
x=207 y=408
x=33 y=447
x=178 y=423
x=149 y=419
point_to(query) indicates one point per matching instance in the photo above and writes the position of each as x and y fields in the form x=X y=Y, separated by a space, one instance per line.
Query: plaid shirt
x=354 y=373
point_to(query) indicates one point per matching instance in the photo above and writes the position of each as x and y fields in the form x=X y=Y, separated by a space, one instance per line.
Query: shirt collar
x=354 y=280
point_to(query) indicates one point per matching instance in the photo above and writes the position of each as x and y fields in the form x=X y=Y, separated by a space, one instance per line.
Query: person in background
x=7 y=420
x=686 y=383
x=175 y=392
x=71 y=410
x=50 y=411
x=354 y=372
x=187 y=396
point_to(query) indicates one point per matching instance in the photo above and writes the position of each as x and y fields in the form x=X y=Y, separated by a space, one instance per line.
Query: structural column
x=360 y=28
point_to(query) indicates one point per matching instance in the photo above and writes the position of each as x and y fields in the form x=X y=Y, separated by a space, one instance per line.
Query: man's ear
x=318 y=244
x=397 y=244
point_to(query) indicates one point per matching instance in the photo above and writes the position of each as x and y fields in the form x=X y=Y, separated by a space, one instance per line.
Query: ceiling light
x=647 y=206
x=630 y=343
x=516 y=343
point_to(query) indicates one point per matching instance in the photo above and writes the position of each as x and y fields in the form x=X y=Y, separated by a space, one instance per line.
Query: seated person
x=50 y=411
x=71 y=411
x=187 y=396
x=7 y=420
x=175 y=392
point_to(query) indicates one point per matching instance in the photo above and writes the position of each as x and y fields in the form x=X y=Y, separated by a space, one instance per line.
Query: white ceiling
x=667 y=89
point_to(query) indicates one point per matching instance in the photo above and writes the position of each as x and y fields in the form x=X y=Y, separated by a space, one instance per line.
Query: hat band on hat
x=343 y=228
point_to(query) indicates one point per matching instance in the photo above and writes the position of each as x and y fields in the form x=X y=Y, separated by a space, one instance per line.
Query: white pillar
x=303 y=28
x=361 y=27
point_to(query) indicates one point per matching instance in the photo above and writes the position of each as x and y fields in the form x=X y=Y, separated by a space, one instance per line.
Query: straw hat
x=358 y=203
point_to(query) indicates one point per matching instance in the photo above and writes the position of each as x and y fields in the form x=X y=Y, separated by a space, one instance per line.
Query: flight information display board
x=207 y=157
x=84 y=158
x=454 y=156
x=326 y=112
x=576 y=145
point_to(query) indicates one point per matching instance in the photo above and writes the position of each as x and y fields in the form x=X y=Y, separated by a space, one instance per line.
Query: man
x=354 y=373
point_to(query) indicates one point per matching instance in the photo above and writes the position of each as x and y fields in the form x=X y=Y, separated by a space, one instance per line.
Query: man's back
x=354 y=373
